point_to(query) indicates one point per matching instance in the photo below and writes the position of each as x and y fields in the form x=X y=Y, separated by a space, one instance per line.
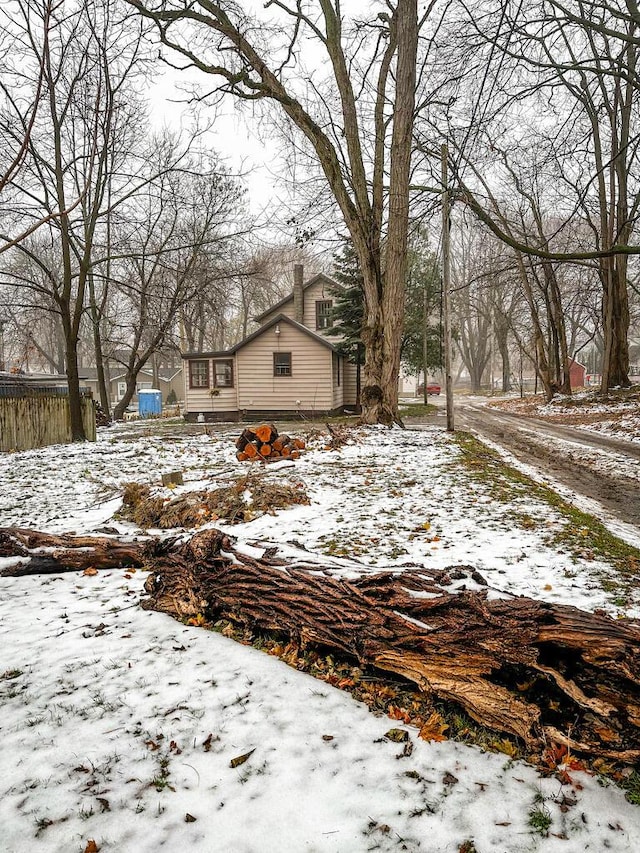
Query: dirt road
x=597 y=467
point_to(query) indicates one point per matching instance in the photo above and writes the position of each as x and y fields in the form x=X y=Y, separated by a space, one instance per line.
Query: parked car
x=432 y=388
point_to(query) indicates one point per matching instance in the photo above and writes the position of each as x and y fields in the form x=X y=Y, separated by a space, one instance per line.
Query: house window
x=324 y=319
x=223 y=374
x=282 y=364
x=336 y=369
x=122 y=390
x=199 y=374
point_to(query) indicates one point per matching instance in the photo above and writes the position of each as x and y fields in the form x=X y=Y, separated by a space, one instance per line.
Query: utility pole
x=492 y=332
x=2 y=325
x=446 y=286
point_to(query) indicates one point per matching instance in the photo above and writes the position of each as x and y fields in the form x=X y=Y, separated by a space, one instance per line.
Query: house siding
x=309 y=388
x=350 y=392
x=317 y=291
x=201 y=400
x=198 y=400
x=287 y=310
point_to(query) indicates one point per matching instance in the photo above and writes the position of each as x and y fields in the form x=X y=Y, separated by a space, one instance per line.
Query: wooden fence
x=36 y=420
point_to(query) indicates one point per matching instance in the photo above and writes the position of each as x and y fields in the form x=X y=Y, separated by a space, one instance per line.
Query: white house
x=288 y=367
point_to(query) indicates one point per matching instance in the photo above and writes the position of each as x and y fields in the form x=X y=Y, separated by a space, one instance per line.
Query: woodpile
x=264 y=443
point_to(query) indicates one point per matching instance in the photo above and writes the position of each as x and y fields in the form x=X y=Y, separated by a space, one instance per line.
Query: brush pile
x=264 y=443
x=235 y=503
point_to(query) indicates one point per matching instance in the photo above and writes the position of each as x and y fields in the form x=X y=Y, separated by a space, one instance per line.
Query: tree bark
x=46 y=553
x=535 y=670
x=532 y=669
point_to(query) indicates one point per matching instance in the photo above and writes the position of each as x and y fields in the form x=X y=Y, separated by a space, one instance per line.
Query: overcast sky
x=236 y=136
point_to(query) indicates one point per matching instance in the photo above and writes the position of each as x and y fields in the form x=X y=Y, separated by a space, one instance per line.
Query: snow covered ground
x=617 y=417
x=122 y=726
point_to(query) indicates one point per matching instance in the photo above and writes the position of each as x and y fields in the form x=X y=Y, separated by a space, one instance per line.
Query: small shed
x=577 y=374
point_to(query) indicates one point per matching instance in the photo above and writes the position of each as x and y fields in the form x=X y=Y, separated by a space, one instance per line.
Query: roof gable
x=321 y=277
x=282 y=318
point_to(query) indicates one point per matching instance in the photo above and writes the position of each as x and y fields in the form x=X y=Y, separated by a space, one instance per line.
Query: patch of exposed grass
x=417 y=410
x=540 y=820
x=10 y=674
x=631 y=786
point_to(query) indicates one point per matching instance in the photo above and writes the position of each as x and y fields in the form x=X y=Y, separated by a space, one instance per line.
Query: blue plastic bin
x=149 y=402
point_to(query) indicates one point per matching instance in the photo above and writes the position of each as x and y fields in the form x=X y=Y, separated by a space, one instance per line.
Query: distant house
x=167 y=379
x=288 y=367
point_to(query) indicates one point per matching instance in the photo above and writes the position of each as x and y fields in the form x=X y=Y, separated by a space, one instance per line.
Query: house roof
x=279 y=318
x=316 y=278
x=222 y=353
x=282 y=318
x=90 y=374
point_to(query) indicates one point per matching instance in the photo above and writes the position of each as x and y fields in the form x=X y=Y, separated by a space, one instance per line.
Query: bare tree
x=178 y=242
x=20 y=94
x=573 y=65
x=88 y=60
x=357 y=121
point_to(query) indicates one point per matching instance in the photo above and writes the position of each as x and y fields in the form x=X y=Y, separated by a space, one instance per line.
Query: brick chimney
x=298 y=293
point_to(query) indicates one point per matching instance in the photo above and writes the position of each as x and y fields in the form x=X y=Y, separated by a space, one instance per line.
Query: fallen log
x=46 y=553
x=539 y=671
x=533 y=669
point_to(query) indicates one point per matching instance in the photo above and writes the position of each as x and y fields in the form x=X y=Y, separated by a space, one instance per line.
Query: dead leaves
x=558 y=759
x=237 y=762
x=397 y=735
x=91 y=847
x=434 y=728
x=209 y=740
x=237 y=502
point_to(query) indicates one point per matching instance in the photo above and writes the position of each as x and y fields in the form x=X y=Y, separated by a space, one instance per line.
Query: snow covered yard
x=617 y=416
x=130 y=729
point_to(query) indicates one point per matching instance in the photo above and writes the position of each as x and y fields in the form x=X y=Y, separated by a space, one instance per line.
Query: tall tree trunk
x=97 y=348
x=75 y=399
x=387 y=339
x=130 y=390
x=502 y=340
x=615 y=319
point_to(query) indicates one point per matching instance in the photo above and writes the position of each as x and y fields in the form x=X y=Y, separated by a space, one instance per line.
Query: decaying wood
x=45 y=553
x=529 y=668
x=536 y=670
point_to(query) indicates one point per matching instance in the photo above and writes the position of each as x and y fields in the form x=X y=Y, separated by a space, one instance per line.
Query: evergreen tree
x=421 y=344
x=348 y=306
x=422 y=337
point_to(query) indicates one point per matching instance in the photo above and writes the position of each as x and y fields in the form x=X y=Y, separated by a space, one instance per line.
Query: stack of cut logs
x=263 y=442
